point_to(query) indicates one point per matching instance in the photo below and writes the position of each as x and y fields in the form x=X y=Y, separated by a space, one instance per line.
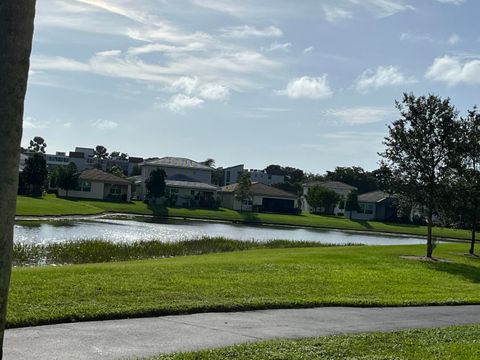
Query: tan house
x=264 y=198
x=100 y=185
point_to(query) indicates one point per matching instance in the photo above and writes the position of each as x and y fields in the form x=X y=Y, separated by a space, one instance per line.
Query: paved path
x=133 y=338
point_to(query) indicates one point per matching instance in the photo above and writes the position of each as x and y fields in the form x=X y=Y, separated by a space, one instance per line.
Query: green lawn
x=460 y=343
x=254 y=279
x=50 y=205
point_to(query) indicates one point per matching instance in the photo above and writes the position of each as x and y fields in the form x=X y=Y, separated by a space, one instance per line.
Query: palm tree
x=16 y=31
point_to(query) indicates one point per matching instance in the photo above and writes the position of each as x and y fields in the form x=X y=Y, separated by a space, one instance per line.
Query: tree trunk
x=429 y=235
x=474 y=230
x=16 y=30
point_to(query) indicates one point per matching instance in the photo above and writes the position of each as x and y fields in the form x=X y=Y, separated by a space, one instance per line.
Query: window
x=366 y=208
x=228 y=176
x=116 y=190
x=171 y=191
x=84 y=185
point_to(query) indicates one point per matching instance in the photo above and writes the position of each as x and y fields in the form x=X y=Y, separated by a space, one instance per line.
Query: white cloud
x=334 y=13
x=308 y=87
x=104 y=124
x=212 y=91
x=308 y=49
x=251 y=31
x=32 y=123
x=455 y=70
x=181 y=102
x=454 y=39
x=272 y=109
x=454 y=2
x=185 y=84
x=359 y=115
x=277 y=46
x=381 y=77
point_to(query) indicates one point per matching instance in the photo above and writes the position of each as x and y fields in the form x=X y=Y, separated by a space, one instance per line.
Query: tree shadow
x=158 y=210
x=468 y=272
x=249 y=216
x=363 y=223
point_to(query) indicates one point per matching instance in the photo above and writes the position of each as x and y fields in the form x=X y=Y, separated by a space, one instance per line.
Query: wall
x=203 y=176
x=97 y=191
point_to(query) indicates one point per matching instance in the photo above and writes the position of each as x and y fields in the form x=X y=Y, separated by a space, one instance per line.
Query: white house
x=231 y=175
x=340 y=188
x=264 y=198
x=100 y=185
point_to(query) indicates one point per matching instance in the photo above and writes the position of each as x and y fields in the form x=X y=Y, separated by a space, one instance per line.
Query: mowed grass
x=254 y=279
x=460 y=343
x=50 y=205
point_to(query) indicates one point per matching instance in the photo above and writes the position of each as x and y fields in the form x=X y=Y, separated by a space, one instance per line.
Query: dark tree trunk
x=16 y=30
x=429 y=235
x=474 y=230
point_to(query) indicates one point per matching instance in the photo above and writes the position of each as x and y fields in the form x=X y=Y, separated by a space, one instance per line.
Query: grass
x=50 y=205
x=95 y=251
x=460 y=342
x=253 y=279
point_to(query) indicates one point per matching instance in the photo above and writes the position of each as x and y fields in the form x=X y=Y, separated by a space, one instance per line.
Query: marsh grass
x=100 y=251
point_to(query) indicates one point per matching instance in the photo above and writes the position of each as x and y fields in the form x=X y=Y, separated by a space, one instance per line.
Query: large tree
x=155 y=184
x=67 y=178
x=243 y=191
x=364 y=181
x=16 y=31
x=37 y=144
x=35 y=173
x=420 y=151
x=321 y=197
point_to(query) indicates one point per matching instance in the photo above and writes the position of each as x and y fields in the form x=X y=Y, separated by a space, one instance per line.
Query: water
x=128 y=230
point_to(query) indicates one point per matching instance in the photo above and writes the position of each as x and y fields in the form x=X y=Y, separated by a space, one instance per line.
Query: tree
x=469 y=186
x=136 y=170
x=351 y=204
x=364 y=181
x=67 y=178
x=420 y=150
x=155 y=184
x=117 y=171
x=243 y=190
x=16 y=31
x=209 y=162
x=36 y=173
x=100 y=153
x=37 y=144
x=321 y=197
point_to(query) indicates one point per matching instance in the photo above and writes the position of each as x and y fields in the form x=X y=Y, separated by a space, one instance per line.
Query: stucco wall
x=96 y=192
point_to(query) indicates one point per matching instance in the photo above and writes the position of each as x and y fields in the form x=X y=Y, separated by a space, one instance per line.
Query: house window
x=84 y=185
x=366 y=208
x=228 y=176
x=116 y=190
x=171 y=191
x=247 y=202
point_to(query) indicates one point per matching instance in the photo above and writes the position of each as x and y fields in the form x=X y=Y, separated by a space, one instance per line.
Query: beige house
x=264 y=198
x=100 y=185
x=340 y=188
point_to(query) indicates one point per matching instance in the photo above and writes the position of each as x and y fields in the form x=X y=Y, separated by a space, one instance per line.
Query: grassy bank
x=96 y=251
x=50 y=205
x=254 y=279
x=459 y=343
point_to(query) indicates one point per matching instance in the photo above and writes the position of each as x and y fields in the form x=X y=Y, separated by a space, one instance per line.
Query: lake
x=133 y=230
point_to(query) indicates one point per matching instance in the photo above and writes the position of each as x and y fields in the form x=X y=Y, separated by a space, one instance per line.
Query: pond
x=132 y=230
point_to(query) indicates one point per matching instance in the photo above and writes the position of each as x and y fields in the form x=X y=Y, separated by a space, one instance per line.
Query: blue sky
x=309 y=84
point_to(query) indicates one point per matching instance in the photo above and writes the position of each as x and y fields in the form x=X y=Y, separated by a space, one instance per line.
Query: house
x=188 y=182
x=340 y=188
x=375 y=205
x=264 y=199
x=231 y=175
x=100 y=185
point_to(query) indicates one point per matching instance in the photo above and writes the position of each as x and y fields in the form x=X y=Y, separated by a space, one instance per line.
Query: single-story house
x=375 y=205
x=340 y=188
x=190 y=193
x=264 y=199
x=100 y=185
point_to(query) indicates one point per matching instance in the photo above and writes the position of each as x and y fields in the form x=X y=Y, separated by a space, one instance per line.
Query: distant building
x=231 y=175
x=59 y=159
x=340 y=188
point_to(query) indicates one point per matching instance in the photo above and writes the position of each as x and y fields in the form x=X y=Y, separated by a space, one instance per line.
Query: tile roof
x=102 y=176
x=259 y=189
x=177 y=162
x=374 y=197
x=330 y=185
x=190 y=185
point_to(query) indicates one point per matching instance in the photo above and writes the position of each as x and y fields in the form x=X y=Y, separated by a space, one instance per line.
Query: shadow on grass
x=158 y=210
x=470 y=273
x=363 y=223
x=249 y=217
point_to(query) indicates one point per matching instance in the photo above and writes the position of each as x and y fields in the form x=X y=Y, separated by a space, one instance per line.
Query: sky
x=310 y=84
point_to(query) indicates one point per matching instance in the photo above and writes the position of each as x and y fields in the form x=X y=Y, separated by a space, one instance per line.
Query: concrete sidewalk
x=134 y=338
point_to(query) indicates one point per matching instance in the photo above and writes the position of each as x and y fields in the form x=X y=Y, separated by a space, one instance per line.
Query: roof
x=76 y=155
x=190 y=185
x=374 y=197
x=330 y=185
x=136 y=160
x=102 y=176
x=259 y=189
x=177 y=162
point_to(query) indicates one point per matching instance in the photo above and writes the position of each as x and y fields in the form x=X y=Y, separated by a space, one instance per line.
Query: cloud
x=451 y=40
x=104 y=124
x=272 y=109
x=360 y=115
x=212 y=91
x=185 y=84
x=246 y=31
x=277 y=46
x=32 y=123
x=308 y=49
x=381 y=77
x=334 y=13
x=180 y=102
x=454 y=70
x=454 y=39
x=453 y=2
x=308 y=87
